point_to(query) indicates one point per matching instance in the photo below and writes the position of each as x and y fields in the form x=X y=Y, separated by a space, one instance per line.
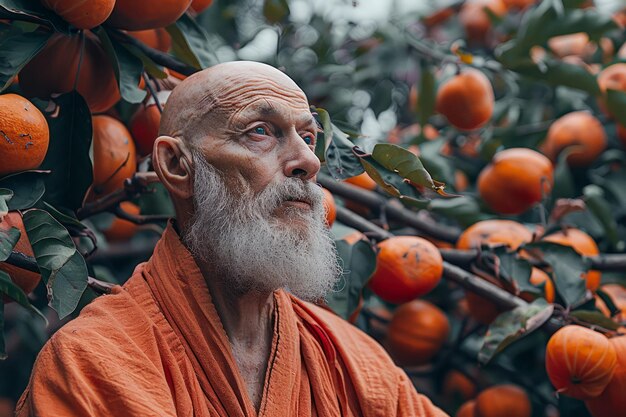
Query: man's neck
x=248 y=320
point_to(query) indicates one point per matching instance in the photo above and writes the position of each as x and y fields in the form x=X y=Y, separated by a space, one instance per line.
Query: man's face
x=259 y=217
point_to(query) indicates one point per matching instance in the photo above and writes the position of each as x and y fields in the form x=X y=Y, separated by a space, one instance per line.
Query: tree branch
x=29 y=263
x=396 y=212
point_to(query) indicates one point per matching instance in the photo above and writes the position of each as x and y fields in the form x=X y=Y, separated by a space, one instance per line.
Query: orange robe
x=156 y=347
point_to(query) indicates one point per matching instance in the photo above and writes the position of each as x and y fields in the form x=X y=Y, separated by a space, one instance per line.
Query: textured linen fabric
x=156 y=347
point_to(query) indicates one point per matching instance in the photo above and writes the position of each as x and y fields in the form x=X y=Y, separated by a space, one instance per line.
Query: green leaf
x=372 y=170
x=608 y=301
x=616 y=102
x=427 y=94
x=322 y=138
x=359 y=263
x=5 y=196
x=19 y=9
x=464 y=209
x=189 y=43
x=563 y=181
x=568 y=268
x=341 y=161
x=16 y=49
x=68 y=154
x=511 y=326
x=601 y=209
x=67 y=218
x=595 y=318
x=128 y=68
x=27 y=186
x=9 y=289
x=275 y=11
x=434 y=162
x=407 y=165
x=516 y=270
x=63 y=269
x=8 y=239
x=559 y=73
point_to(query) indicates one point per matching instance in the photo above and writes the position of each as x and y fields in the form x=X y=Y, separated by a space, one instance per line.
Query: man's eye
x=260 y=130
x=308 y=139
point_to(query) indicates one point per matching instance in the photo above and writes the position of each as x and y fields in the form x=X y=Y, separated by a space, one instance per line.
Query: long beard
x=254 y=250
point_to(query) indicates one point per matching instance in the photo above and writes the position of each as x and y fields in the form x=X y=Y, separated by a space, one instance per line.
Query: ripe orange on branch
x=199 y=6
x=467 y=409
x=466 y=99
x=476 y=21
x=515 y=180
x=114 y=156
x=579 y=130
x=83 y=14
x=417 y=331
x=582 y=243
x=505 y=400
x=406 y=267
x=24 y=279
x=329 y=207
x=54 y=71
x=144 y=125
x=146 y=14
x=495 y=231
x=612 y=399
x=24 y=135
x=612 y=77
x=579 y=361
x=121 y=229
x=154 y=38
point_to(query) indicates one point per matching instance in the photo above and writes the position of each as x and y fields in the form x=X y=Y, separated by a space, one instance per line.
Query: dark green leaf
x=28 y=187
x=62 y=268
x=275 y=11
x=68 y=153
x=342 y=163
x=516 y=270
x=21 y=9
x=568 y=268
x=407 y=165
x=464 y=209
x=434 y=162
x=189 y=43
x=8 y=239
x=16 y=49
x=556 y=73
x=512 y=325
x=601 y=209
x=156 y=201
x=374 y=174
x=67 y=219
x=322 y=138
x=426 y=95
x=359 y=263
x=563 y=181
x=9 y=289
x=616 y=102
x=5 y=196
x=595 y=318
x=608 y=301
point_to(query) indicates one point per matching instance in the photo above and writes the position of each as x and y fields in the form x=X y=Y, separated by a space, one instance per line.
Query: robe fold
x=156 y=347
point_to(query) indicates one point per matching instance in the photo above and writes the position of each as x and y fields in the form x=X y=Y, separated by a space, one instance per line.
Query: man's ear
x=172 y=162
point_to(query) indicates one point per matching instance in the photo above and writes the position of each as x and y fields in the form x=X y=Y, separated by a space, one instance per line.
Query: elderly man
x=214 y=324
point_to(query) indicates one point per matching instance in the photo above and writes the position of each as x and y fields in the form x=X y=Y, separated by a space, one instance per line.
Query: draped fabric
x=156 y=347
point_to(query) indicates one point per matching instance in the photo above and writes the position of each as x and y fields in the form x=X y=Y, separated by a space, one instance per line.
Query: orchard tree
x=473 y=165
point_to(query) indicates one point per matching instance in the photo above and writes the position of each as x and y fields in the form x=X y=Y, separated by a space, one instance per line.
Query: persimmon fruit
x=26 y=280
x=82 y=14
x=503 y=400
x=612 y=398
x=121 y=229
x=145 y=14
x=329 y=207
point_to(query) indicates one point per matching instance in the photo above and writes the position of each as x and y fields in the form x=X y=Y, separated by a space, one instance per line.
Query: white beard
x=255 y=250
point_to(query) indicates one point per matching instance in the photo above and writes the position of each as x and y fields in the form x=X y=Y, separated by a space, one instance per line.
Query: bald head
x=207 y=99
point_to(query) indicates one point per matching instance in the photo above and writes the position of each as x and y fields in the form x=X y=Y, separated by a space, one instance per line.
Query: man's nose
x=301 y=160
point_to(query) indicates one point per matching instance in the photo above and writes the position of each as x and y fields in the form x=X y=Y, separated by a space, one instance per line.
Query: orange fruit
x=417 y=331
x=539 y=277
x=580 y=130
x=475 y=19
x=612 y=398
x=407 y=267
x=362 y=180
x=503 y=400
x=354 y=237
x=24 y=135
x=61 y=58
x=579 y=361
x=461 y=182
x=584 y=245
x=577 y=44
x=154 y=38
x=120 y=229
x=617 y=293
x=146 y=14
x=518 y=4
x=466 y=99
x=329 y=207
x=144 y=125
x=82 y=14
x=467 y=409
x=24 y=279
x=199 y=6
x=494 y=231
x=515 y=180
x=114 y=157
x=457 y=386
x=612 y=77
